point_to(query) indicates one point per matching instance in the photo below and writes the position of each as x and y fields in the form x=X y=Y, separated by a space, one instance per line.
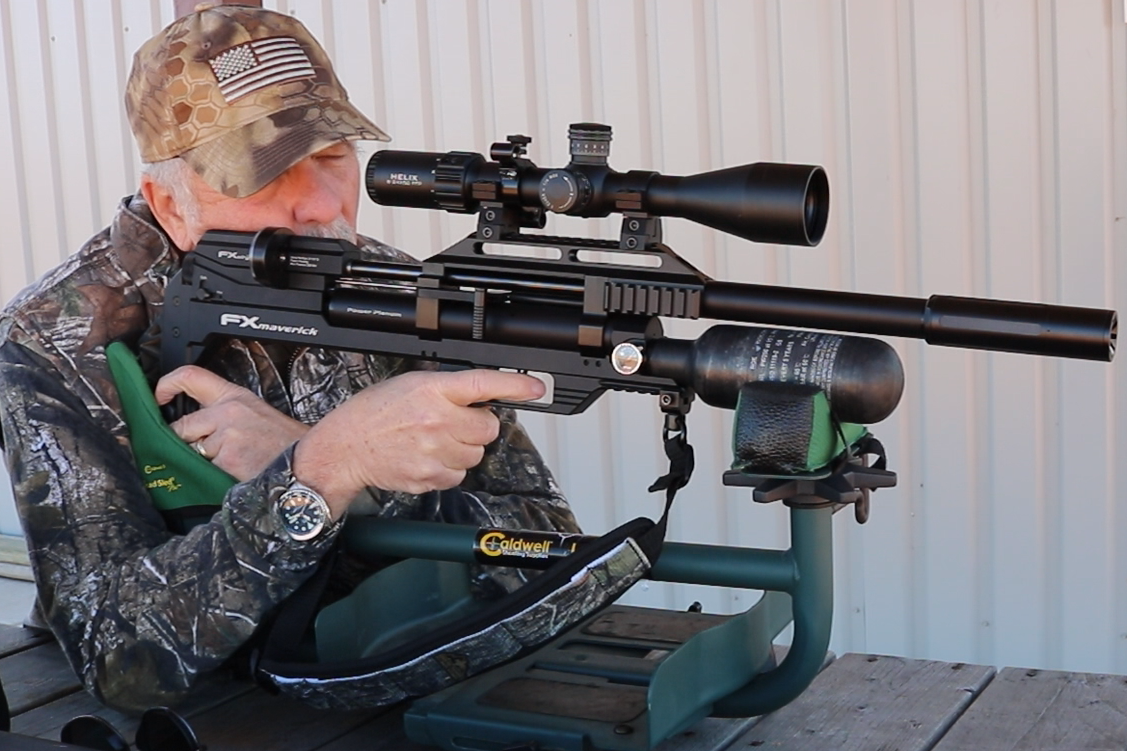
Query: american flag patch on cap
x=255 y=65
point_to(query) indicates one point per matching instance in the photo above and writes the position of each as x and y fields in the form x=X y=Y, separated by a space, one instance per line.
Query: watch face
x=303 y=513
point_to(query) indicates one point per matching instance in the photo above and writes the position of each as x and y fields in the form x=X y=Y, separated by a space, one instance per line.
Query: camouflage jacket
x=142 y=613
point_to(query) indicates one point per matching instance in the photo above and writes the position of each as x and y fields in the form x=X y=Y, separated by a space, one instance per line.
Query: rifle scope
x=764 y=202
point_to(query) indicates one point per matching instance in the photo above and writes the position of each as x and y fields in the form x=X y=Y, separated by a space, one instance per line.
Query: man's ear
x=167 y=213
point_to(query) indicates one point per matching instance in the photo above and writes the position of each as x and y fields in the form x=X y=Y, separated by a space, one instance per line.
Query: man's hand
x=238 y=431
x=415 y=432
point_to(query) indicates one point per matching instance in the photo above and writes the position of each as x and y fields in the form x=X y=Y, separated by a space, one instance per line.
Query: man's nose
x=315 y=199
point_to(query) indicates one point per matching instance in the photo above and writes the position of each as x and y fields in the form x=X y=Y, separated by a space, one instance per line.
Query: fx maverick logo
x=255 y=323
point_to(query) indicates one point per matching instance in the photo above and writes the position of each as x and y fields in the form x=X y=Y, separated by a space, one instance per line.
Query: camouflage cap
x=242 y=94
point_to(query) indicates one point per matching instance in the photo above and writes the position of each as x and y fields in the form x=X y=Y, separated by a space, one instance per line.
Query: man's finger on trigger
x=201 y=385
x=467 y=387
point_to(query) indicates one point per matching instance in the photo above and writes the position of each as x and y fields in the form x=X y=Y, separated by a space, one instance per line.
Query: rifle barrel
x=944 y=320
x=998 y=325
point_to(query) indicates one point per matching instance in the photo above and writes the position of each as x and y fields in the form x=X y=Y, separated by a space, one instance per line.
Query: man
x=243 y=125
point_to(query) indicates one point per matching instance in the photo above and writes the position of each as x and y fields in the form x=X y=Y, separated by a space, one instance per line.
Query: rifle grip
x=180 y=405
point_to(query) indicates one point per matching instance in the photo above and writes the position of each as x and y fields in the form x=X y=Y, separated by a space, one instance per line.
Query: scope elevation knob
x=590 y=143
x=561 y=190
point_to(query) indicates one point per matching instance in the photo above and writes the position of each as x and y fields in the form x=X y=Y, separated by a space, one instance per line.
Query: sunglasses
x=160 y=729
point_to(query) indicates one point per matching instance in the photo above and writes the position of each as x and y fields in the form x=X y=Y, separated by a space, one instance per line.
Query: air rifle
x=588 y=313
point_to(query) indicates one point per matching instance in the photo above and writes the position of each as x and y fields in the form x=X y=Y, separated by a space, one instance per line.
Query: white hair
x=175 y=176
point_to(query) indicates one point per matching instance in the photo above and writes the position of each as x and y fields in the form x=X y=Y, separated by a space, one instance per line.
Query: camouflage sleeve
x=140 y=613
x=514 y=484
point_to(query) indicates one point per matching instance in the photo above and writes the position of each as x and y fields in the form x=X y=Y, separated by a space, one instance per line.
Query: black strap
x=866 y=445
x=870 y=445
x=285 y=634
x=681 y=464
x=5 y=712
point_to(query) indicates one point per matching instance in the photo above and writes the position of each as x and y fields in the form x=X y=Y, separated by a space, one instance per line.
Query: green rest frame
x=724 y=671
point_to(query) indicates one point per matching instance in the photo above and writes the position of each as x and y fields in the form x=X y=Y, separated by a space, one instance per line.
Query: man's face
x=317 y=196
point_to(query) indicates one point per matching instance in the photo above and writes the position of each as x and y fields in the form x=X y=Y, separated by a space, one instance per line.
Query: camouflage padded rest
x=460 y=647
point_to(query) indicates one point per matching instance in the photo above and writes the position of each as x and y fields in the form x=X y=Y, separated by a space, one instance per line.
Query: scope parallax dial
x=561 y=191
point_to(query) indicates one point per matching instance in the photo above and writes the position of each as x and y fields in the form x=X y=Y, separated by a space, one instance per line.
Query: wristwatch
x=303 y=512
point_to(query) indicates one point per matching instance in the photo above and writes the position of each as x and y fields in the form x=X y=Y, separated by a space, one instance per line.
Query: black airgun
x=588 y=313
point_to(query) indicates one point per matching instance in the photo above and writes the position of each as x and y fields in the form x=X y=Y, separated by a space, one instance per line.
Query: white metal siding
x=974 y=147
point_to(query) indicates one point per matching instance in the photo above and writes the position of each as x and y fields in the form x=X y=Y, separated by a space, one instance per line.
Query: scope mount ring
x=640 y=231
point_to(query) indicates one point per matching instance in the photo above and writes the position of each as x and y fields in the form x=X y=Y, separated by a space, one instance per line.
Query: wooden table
x=861 y=702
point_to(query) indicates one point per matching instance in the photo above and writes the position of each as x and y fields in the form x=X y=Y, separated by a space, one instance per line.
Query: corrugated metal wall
x=974 y=147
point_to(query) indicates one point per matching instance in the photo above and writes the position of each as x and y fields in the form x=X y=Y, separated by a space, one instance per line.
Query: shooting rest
x=628 y=677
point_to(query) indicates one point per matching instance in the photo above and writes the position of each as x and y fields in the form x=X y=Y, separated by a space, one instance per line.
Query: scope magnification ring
x=449 y=174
